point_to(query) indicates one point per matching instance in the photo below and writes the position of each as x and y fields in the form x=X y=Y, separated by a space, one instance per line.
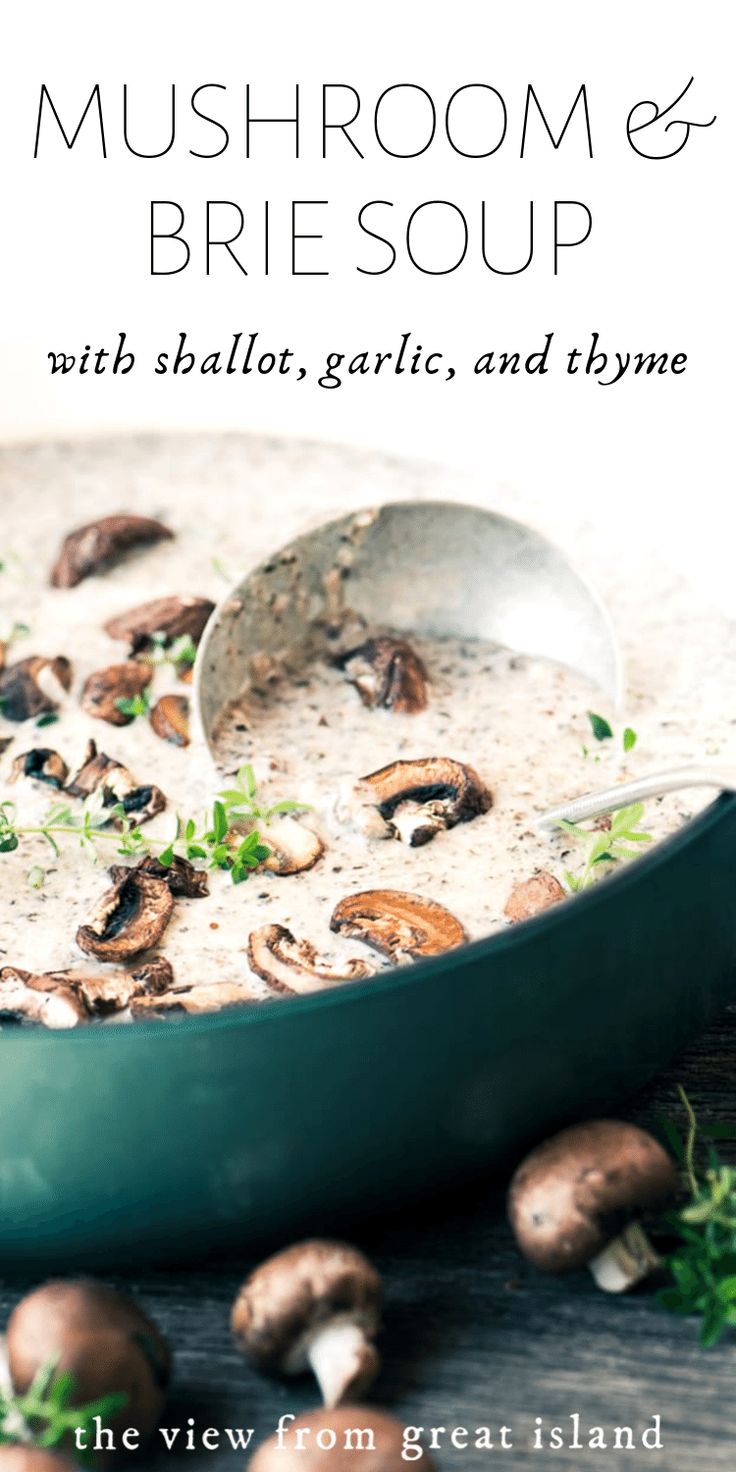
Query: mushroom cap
x=388 y=1437
x=397 y=924
x=170 y=719
x=104 y=688
x=293 y=846
x=387 y=672
x=93 y=547
x=290 y=965
x=33 y=1459
x=100 y=1337
x=293 y=1293
x=569 y=1198
x=533 y=896
x=172 y=617
x=32 y=686
x=130 y=918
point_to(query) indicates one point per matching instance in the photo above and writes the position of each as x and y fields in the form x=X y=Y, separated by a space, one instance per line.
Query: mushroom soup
x=380 y=798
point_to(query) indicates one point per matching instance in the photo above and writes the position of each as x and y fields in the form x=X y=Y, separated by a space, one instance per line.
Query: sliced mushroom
x=294 y=847
x=170 y=719
x=397 y=924
x=153 y=976
x=183 y=879
x=291 y=965
x=42 y=999
x=387 y=672
x=532 y=896
x=42 y=764
x=130 y=918
x=195 y=1000
x=105 y=689
x=97 y=545
x=170 y=618
x=413 y=800
x=95 y=768
x=99 y=772
x=33 y=686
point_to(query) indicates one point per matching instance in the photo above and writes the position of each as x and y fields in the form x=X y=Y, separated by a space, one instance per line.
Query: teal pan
x=157 y=1142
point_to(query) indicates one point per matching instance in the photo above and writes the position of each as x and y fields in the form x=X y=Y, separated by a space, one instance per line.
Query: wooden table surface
x=474 y=1337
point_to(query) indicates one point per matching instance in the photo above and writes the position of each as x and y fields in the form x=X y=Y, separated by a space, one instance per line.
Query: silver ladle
x=426 y=567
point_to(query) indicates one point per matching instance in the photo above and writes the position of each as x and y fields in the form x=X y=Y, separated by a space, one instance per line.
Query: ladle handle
x=610 y=799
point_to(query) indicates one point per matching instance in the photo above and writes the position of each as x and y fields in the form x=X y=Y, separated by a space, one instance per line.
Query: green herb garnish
x=703 y=1266
x=47 y=718
x=629 y=739
x=607 y=845
x=600 y=727
x=181 y=651
x=134 y=705
x=214 y=842
x=45 y=1417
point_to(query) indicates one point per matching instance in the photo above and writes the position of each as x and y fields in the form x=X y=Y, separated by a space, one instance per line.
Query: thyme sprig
x=703 y=1266
x=45 y=1417
x=608 y=845
x=215 y=842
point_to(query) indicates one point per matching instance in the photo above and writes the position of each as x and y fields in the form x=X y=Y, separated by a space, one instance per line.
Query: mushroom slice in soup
x=42 y=765
x=397 y=924
x=130 y=918
x=34 y=686
x=532 y=896
x=94 y=547
x=387 y=672
x=164 y=619
x=414 y=800
x=291 y=965
x=107 y=693
x=41 y=999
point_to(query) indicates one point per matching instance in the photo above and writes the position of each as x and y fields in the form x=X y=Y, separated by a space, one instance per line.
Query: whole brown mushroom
x=33 y=1459
x=573 y=1202
x=317 y=1305
x=349 y=1437
x=101 y=1338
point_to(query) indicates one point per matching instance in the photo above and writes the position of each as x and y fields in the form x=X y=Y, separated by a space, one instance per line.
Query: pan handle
x=609 y=799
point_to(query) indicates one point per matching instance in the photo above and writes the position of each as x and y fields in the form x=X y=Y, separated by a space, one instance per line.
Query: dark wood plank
x=473 y=1337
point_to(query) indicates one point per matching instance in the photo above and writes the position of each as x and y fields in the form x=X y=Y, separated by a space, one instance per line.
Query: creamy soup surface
x=521 y=723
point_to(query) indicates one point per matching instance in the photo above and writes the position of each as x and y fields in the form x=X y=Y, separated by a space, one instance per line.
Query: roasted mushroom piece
x=533 y=896
x=574 y=1200
x=387 y=672
x=107 y=693
x=47 y=1000
x=97 y=545
x=100 y=773
x=34 y=686
x=291 y=965
x=130 y=918
x=183 y=879
x=170 y=719
x=98 y=1336
x=349 y=1439
x=414 y=800
x=317 y=1305
x=293 y=846
x=166 y=619
x=397 y=924
x=42 y=764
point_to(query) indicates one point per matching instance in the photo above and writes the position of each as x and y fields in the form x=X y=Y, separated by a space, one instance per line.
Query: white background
x=653 y=454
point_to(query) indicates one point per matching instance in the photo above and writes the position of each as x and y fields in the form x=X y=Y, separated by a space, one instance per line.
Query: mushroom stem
x=626 y=1261
x=343 y=1361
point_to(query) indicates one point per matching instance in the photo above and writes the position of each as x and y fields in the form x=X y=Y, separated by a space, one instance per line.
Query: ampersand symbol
x=655 y=116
